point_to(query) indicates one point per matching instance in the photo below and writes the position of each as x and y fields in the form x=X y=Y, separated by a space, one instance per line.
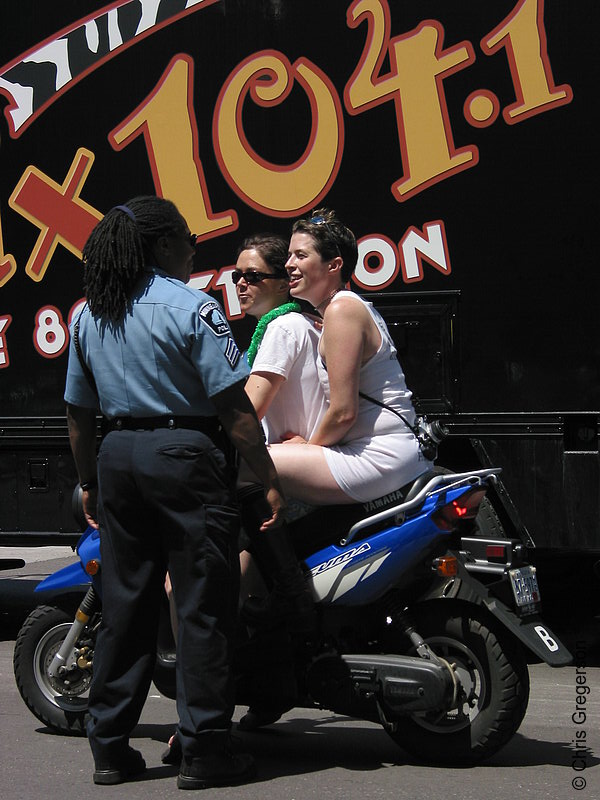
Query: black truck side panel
x=456 y=139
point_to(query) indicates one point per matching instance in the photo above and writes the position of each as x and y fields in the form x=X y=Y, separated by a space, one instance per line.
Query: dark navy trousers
x=166 y=501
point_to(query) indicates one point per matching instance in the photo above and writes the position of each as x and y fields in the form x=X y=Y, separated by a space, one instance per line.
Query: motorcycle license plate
x=525 y=588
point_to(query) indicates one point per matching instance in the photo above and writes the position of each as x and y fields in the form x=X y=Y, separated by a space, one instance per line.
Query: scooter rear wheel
x=59 y=702
x=494 y=692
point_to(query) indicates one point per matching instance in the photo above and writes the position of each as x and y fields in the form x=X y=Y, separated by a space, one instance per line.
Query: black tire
x=60 y=703
x=495 y=680
x=487 y=522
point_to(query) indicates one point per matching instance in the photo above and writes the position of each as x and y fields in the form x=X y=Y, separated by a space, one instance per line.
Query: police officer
x=159 y=361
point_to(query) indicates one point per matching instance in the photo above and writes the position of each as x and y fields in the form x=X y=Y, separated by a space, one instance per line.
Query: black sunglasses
x=192 y=240
x=322 y=222
x=253 y=276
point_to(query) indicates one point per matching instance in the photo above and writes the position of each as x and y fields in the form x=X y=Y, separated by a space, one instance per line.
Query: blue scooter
x=425 y=625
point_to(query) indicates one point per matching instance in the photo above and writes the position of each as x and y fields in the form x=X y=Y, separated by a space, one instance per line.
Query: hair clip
x=319 y=220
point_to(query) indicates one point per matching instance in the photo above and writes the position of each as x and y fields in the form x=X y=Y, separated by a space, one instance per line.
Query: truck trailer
x=456 y=139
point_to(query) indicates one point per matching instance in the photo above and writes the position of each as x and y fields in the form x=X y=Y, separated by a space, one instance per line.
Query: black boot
x=290 y=603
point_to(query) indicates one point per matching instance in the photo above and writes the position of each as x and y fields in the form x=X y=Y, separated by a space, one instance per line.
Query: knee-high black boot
x=290 y=602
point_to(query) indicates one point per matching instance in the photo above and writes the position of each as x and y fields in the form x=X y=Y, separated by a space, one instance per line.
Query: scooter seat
x=416 y=486
x=326 y=525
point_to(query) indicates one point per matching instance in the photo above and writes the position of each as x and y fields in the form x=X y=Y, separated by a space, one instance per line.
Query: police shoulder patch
x=211 y=314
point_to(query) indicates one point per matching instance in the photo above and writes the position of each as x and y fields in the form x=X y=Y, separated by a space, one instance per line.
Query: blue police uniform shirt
x=173 y=351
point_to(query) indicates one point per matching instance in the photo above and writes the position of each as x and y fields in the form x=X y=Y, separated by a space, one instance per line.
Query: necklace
x=261 y=327
x=328 y=299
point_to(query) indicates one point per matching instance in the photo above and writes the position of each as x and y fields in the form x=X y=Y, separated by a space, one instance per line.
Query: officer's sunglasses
x=192 y=240
x=253 y=276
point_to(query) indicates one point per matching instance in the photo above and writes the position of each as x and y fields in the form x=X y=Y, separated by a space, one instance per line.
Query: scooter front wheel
x=59 y=701
x=493 y=689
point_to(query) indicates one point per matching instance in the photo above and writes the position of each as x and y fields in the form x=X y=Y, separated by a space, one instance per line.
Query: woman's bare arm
x=343 y=342
x=261 y=388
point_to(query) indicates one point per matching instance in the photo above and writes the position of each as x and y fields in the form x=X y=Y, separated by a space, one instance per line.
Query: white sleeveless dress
x=379 y=454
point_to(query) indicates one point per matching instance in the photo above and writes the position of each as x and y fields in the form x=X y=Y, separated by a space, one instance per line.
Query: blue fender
x=72 y=577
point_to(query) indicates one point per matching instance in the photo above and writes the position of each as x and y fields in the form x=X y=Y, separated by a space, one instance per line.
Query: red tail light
x=496 y=552
x=465 y=507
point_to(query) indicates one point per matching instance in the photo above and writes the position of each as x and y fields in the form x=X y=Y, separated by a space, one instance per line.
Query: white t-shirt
x=289 y=348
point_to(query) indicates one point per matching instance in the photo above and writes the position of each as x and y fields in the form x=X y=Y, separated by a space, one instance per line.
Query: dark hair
x=332 y=238
x=271 y=248
x=117 y=250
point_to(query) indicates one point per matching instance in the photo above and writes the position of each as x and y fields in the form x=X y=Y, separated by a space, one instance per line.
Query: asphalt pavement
x=310 y=753
x=21 y=569
x=313 y=754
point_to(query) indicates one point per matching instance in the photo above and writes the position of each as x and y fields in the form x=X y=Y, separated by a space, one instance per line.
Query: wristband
x=87 y=485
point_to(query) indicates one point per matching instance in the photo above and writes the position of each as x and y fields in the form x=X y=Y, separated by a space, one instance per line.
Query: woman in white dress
x=364 y=446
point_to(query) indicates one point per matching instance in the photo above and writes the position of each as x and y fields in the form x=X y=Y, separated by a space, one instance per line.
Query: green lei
x=261 y=327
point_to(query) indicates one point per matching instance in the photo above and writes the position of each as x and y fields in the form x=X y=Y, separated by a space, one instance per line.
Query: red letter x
x=56 y=210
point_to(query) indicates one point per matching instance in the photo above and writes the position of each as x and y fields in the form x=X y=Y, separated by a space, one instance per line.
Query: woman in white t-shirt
x=285 y=390
x=283 y=385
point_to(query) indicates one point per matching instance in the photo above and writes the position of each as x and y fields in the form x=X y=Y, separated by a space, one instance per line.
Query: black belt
x=208 y=425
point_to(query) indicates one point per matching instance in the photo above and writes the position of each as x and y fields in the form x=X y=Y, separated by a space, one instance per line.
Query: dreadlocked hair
x=118 y=249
